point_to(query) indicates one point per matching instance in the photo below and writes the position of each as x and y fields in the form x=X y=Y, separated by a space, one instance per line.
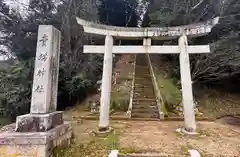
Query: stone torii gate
x=147 y=34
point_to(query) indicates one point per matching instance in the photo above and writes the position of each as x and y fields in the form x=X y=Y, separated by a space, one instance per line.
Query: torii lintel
x=158 y=33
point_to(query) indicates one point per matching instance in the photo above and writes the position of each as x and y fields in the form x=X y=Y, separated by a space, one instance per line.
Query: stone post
x=106 y=85
x=38 y=133
x=187 y=95
x=43 y=115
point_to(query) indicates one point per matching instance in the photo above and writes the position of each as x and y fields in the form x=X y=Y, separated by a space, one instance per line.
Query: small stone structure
x=147 y=34
x=37 y=133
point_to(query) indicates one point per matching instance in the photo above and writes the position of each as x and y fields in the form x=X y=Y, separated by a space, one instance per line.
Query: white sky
x=14 y=3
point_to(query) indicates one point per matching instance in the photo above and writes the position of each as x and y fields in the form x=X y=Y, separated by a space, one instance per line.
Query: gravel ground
x=214 y=139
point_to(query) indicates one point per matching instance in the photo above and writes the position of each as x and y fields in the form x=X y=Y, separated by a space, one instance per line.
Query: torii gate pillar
x=186 y=81
x=106 y=85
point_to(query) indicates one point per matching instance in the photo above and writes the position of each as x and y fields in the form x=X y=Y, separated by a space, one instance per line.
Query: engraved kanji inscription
x=44 y=40
x=39 y=89
x=40 y=72
x=43 y=56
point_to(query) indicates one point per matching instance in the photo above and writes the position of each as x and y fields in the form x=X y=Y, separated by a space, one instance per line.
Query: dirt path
x=232 y=122
x=214 y=139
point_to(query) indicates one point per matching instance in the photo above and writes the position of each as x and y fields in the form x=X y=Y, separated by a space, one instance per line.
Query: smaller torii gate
x=147 y=34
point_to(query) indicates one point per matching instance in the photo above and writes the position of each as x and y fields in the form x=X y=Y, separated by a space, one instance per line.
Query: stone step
x=139 y=65
x=144 y=100
x=142 y=61
x=144 y=94
x=144 y=115
x=137 y=96
x=146 y=87
x=145 y=97
x=150 y=97
x=143 y=85
x=142 y=73
x=145 y=110
x=143 y=68
x=136 y=101
x=145 y=105
x=146 y=77
x=145 y=90
x=149 y=107
x=142 y=78
x=143 y=82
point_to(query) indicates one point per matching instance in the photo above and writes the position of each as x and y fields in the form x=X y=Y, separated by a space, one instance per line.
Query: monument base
x=184 y=131
x=102 y=132
x=34 y=144
x=38 y=122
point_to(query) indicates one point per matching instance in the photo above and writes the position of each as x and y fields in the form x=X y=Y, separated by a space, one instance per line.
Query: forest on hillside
x=79 y=73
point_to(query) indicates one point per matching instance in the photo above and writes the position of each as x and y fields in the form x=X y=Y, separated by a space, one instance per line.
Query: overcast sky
x=16 y=1
x=13 y=3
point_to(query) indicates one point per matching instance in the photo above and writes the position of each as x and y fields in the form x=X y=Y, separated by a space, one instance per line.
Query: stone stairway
x=144 y=99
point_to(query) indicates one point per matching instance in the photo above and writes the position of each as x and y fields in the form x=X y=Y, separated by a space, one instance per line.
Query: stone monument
x=43 y=129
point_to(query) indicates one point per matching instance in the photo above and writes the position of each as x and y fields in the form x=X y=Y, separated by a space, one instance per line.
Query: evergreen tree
x=146 y=20
x=182 y=12
x=118 y=12
x=224 y=61
x=78 y=73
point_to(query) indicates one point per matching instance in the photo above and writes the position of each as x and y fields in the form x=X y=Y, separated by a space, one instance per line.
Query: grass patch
x=96 y=147
x=91 y=149
x=184 y=149
x=129 y=150
x=120 y=96
x=111 y=142
x=171 y=95
x=204 y=132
